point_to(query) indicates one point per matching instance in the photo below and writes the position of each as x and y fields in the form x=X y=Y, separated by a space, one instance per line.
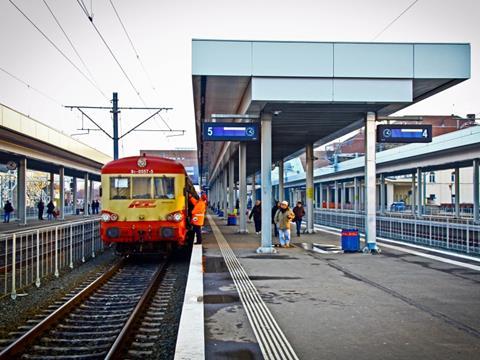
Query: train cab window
x=141 y=188
x=119 y=188
x=164 y=187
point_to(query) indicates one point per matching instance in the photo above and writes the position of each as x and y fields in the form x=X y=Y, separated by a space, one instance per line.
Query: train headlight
x=106 y=217
x=114 y=217
x=175 y=216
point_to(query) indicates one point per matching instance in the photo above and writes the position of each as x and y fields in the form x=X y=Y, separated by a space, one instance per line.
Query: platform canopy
x=317 y=90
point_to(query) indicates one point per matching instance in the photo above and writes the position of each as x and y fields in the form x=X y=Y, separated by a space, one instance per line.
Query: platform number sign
x=230 y=131
x=404 y=133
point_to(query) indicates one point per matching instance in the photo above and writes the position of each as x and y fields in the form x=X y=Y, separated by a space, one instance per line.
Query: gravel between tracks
x=165 y=349
x=14 y=313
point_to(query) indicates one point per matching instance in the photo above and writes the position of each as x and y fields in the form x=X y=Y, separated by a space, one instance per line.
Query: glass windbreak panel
x=164 y=188
x=119 y=188
x=141 y=188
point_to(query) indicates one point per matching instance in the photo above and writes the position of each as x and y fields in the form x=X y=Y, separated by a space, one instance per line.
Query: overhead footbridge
x=304 y=94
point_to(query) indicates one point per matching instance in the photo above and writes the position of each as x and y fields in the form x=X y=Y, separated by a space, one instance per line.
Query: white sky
x=162 y=33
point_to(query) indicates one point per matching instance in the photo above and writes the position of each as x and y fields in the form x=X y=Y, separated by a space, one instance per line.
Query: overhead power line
x=90 y=18
x=147 y=75
x=57 y=48
x=395 y=20
x=73 y=46
x=31 y=87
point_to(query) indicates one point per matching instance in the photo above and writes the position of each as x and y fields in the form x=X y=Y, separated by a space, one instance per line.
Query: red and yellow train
x=145 y=204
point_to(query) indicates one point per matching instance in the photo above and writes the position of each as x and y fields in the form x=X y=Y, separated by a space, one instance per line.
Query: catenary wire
x=56 y=47
x=73 y=46
x=31 y=87
x=394 y=20
x=147 y=75
x=111 y=53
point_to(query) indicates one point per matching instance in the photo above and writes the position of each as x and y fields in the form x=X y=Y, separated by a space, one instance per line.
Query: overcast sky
x=161 y=32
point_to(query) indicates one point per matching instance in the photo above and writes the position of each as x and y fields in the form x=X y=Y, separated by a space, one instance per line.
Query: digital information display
x=404 y=133
x=230 y=131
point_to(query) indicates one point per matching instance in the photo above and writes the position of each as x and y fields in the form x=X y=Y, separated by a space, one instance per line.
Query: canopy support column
x=74 y=195
x=86 y=195
x=225 y=193
x=231 y=186
x=419 y=193
x=457 y=192
x=242 y=167
x=370 y=183
x=266 y=178
x=22 y=191
x=382 y=194
x=281 y=181
x=309 y=187
x=61 y=206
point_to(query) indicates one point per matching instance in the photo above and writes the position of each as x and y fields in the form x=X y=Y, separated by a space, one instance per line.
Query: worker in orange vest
x=198 y=215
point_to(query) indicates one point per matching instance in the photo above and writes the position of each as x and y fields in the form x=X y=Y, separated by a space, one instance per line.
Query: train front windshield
x=119 y=188
x=161 y=187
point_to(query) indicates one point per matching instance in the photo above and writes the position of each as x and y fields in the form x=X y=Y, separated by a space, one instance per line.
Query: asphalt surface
x=343 y=306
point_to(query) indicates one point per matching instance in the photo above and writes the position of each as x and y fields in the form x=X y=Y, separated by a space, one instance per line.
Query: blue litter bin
x=350 y=240
x=232 y=219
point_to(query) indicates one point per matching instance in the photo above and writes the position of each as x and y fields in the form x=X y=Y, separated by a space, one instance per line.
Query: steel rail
x=121 y=340
x=22 y=343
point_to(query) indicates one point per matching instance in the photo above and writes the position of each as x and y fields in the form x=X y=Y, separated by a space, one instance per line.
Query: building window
x=432 y=177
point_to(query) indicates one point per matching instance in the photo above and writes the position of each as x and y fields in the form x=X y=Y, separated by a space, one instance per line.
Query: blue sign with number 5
x=230 y=131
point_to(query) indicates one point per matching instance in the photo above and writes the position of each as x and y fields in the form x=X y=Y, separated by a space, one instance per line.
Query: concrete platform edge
x=191 y=338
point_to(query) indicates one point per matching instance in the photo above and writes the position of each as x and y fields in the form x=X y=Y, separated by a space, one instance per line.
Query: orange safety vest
x=198 y=212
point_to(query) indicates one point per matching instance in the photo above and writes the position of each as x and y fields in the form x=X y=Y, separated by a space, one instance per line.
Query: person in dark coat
x=50 y=210
x=7 y=211
x=40 y=207
x=256 y=213
x=275 y=208
x=299 y=212
x=97 y=206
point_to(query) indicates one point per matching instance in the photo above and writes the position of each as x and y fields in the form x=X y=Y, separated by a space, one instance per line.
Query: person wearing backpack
x=7 y=211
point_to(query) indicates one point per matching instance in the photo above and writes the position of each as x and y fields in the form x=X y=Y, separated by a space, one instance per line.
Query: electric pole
x=115 y=110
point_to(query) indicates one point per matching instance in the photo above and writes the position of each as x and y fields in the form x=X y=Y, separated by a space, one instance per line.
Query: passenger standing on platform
x=93 y=207
x=276 y=206
x=283 y=217
x=256 y=213
x=50 y=210
x=7 y=210
x=198 y=216
x=40 y=207
x=299 y=212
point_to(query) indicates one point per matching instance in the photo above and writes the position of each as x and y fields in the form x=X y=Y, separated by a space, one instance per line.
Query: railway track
x=118 y=313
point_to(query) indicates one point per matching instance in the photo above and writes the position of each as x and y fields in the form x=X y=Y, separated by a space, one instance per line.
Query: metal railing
x=441 y=233
x=27 y=257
